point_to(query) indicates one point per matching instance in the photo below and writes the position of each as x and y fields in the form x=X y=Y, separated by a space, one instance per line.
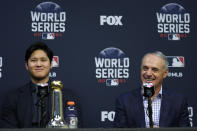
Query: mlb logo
x=55 y=61
x=48 y=36
x=176 y=61
x=112 y=82
x=173 y=36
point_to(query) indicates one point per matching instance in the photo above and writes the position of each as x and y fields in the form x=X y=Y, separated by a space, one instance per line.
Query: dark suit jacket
x=17 y=108
x=130 y=110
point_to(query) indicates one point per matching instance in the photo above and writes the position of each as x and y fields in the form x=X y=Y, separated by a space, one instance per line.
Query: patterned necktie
x=43 y=112
x=43 y=92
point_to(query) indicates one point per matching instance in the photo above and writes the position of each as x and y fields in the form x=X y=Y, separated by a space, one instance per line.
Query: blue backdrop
x=98 y=46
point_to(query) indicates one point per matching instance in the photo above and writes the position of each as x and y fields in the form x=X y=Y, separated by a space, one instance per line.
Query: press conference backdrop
x=98 y=46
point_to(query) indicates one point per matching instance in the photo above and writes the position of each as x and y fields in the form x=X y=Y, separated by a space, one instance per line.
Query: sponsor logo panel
x=55 y=64
x=176 y=62
x=112 y=67
x=107 y=116
x=48 y=21
x=173 y=22
x=111 y=20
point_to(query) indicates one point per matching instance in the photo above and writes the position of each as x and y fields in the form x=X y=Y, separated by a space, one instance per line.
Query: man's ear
x=51 y=65
x=26 y=66
x=165 y=73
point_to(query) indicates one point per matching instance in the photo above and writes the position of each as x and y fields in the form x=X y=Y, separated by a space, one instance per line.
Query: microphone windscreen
x=149 y=89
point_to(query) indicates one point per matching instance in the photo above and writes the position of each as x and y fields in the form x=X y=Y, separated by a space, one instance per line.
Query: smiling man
x=22 y=107
x=169 y=109
x=38 y=63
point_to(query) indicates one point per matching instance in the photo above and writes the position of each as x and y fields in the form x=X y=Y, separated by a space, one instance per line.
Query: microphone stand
x=149 y=91
x=150 y=112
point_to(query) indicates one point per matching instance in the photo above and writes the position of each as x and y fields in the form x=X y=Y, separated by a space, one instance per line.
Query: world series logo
x=48 y=21
x=173 y=22
x=112 y=67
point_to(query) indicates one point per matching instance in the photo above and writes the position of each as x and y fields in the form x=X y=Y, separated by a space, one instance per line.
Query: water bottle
x=71 y=115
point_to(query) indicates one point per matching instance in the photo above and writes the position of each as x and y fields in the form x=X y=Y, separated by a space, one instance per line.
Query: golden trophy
x=57 y=116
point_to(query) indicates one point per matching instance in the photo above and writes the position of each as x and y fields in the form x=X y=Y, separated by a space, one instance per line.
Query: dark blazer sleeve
x=184 y=114
x=174 y=109
x=120 y=120
x=69 y=95
x=129 y=110
x=9 y=111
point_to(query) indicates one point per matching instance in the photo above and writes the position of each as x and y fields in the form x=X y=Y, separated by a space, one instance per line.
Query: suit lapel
x=140 y=109
x=25 y=106
x=164 y=111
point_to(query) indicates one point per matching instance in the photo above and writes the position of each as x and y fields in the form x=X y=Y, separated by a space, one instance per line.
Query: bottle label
x=73 y=122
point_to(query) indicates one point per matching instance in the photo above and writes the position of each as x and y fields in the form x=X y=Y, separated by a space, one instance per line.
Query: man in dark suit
x=22 y=107
x=169 y=109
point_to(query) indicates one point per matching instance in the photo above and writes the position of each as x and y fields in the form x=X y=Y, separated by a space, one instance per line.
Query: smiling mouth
x=39 y=70
x=149 y=80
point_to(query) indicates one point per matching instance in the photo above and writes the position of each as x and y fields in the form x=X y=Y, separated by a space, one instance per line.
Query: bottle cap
x=70 y=103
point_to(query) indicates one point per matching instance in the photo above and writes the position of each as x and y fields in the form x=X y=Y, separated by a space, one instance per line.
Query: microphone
x=149 y=89
x=42 y=89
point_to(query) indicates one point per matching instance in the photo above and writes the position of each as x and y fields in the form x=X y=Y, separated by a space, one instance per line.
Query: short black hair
x=38 y=46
